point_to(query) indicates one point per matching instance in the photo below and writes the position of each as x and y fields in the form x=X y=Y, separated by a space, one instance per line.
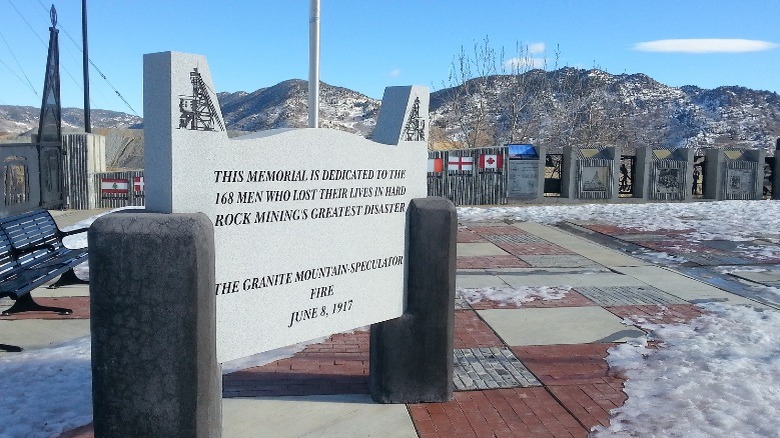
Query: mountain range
x=552 y=108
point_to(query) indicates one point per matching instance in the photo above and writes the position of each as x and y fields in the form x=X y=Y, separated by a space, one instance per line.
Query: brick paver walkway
x=337 y=366
x=556 y=391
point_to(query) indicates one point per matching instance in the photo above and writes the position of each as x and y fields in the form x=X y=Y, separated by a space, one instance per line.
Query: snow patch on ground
x=513 y=296
x=722 y=220
x=46 y=392
x=717 y=375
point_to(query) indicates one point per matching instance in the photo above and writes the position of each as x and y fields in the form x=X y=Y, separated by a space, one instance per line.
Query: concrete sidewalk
x=528 y=369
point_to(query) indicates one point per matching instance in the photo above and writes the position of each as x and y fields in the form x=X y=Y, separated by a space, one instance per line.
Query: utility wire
x=17 y=63
x=67 y=72
x=17 y=77
x=112 y=87
x=27 y=22
x=81 y=49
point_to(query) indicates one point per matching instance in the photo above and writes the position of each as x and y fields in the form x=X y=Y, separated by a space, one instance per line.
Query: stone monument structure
x=299 y=229
x=734 y=174
x=663 y=174
x=526 y=171
x=589 y=173
x=305 y=233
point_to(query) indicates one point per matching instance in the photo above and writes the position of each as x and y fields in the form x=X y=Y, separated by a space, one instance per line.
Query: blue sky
x=368 y=45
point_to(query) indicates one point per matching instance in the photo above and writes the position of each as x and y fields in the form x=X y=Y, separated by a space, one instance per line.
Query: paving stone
x=479 y=249
x=558 y=261
x=577 y=364
x=697 y=284
x=499 y=261
x=468 y=236
x=336 y=366
x=472 y=332
x=739 y=291
x=475 y=280
x=514 y=412
x=570 y=299
x=313 y=416
x=558 y=325
x=570 y=279
x=767 y=278
x=461 y=304
x=514 y=238
x=490 y=368
x=521 y=249
x=711 y=259
x=578 y=245
x=579 y=378
x=646 y=237
x=495 y=229
x=666 y=314
x=628 y=295
x=612 y=230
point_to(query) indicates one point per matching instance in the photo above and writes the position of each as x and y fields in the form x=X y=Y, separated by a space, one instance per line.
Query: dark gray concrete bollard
x=153 y=323
x=714 y=174
x=776 y=171
x=411 y=356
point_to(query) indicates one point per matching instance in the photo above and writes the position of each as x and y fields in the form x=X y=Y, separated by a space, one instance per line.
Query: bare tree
x=469 y=85
x=492 y=99
x=582 y=111
x=521 y=101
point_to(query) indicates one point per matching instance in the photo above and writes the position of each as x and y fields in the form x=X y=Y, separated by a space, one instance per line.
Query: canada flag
x=488 y=161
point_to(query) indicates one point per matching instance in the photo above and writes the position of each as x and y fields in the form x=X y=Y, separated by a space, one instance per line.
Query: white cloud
x=705 y=45
x=536 y=48
x=395 y=73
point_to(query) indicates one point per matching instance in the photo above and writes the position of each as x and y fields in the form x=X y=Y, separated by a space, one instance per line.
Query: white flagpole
x=314 y=64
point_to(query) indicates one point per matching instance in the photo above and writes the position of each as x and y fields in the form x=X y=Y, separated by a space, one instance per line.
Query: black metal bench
x=32 y=253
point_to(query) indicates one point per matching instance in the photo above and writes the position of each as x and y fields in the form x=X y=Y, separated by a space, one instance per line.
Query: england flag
x=460 y=163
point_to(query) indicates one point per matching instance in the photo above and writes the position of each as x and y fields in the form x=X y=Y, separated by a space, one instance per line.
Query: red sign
x=138 y=184
x=113 y=185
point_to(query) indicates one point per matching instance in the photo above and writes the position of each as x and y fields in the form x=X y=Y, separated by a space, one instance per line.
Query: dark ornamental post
x=50 y=126
x=87 y=118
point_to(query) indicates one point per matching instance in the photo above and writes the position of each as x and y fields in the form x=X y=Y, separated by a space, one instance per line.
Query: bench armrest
x=76 y=231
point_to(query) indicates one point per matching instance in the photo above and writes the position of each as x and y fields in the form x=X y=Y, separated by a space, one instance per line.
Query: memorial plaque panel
x=594 y=179
x=668 y=181
x=310 y=224
x=523 y=179
x=740 y=182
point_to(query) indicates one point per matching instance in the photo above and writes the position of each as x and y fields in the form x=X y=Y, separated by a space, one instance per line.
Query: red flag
x=491 y=161
x=138 y=184
x=435 y=165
